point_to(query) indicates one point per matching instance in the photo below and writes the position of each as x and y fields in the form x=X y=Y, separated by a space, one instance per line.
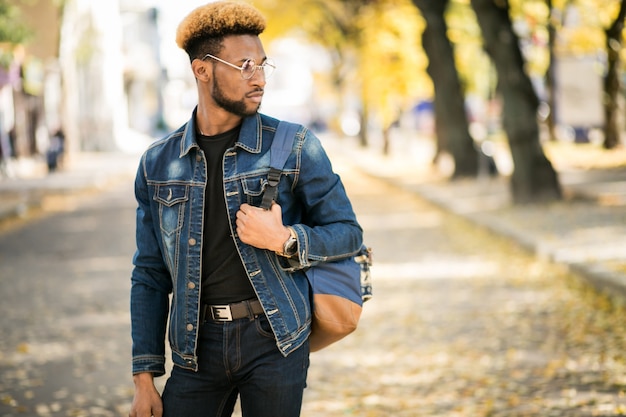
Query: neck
x=213 y=121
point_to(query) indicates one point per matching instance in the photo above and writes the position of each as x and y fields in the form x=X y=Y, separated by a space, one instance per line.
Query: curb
x=599 y=276
x=609 y=282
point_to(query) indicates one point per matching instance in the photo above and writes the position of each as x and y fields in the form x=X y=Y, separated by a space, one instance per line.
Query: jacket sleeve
x=329 y=229
x=150 y=287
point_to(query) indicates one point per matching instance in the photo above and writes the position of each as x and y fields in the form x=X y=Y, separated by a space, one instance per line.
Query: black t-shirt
x=224 y=278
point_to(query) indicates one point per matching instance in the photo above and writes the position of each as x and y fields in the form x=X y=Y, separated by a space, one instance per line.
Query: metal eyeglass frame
x=268 y=64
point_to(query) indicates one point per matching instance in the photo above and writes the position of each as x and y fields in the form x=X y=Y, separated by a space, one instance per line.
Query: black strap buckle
x=269 y=195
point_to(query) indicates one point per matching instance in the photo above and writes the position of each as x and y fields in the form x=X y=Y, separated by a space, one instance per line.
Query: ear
x=200 y=70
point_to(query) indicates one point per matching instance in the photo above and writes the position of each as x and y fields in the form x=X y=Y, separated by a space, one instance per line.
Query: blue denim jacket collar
x=251 y=143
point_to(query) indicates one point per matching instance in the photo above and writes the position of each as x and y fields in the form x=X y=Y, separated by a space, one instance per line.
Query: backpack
x=339 y=288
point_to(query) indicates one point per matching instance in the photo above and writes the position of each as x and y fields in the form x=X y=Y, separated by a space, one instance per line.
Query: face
x=227 y=89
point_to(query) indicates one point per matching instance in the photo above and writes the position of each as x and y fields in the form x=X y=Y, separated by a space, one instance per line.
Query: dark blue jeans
x=238 y=358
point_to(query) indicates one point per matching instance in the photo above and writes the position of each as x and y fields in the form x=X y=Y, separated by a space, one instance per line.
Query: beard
x=236 y=107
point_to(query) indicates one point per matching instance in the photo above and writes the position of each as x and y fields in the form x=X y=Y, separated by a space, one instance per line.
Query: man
x=239 y=315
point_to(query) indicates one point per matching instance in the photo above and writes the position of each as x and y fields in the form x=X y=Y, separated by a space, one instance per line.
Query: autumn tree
x=12 y=31
x=544 y=19
x=614 y=42
x=550 y=77
x=391 y=71
x=331 y=24
x=451 y=123
x=596 y=25
x=12 y=28
x=375 y=52
x=533 y=179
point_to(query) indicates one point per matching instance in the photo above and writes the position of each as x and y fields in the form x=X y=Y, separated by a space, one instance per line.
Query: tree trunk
x=551 y=86
x=533 y=179
x=386 y=139
x=451 y=126
x=611 y=80
x=550 y=77
x=364 y=116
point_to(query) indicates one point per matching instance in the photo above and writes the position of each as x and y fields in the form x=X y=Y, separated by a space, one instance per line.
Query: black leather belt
x=230 y=312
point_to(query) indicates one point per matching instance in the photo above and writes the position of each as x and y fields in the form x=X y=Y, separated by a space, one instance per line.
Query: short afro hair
x=212 y=22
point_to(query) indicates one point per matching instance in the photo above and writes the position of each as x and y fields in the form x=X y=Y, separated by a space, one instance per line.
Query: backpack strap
x=282 y=143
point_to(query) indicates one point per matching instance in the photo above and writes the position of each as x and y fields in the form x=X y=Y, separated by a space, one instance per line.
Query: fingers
x=260 y=228
x=241 y=213
x=247 y=212
x=277 y=210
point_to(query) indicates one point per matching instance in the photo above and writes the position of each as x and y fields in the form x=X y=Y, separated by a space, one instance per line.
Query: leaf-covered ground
x=462 y=323
x=467 y=324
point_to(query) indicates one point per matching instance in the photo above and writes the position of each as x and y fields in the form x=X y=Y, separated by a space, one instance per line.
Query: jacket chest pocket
x=253 y=189
x=172 y=201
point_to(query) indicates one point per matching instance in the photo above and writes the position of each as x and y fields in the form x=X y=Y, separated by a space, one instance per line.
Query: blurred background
x=477 y=106
x=438 y=77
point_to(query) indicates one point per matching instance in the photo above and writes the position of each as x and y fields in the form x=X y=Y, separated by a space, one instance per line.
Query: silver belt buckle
x=221 y=313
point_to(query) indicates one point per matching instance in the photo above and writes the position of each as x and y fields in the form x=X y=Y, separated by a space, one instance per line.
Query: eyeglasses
x=249 y=67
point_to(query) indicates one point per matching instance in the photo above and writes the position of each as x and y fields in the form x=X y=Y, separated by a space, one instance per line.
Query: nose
x=258 y=78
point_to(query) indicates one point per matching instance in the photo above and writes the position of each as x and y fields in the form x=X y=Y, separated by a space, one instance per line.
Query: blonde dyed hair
x=213 y=21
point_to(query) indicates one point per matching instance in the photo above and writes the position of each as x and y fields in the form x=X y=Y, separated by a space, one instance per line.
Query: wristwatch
x=290 y=247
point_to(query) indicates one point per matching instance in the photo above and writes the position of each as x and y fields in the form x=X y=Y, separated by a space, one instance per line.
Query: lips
x=256 y=96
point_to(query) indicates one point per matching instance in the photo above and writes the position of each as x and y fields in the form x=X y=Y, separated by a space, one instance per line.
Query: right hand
x=147 y=401
x=261 y=228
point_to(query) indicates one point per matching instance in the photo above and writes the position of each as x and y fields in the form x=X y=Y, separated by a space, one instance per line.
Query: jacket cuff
x=147 y=363
x=301 y=259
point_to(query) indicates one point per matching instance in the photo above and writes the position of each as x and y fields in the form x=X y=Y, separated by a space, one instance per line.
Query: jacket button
x=189 y=327
x=191 y=285
x=198 y=158
x=192 y=242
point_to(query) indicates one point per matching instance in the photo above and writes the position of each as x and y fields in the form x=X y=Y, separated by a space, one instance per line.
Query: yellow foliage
x=376 y=45
x=473 y=64
x=580 y=41
x=393 y=63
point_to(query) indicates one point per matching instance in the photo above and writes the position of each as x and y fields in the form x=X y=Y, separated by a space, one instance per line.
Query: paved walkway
x=84 y=172
x=586 y=231
x=462 y=323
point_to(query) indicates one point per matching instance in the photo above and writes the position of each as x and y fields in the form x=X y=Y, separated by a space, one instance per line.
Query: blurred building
x=143 y=72
x=91 y=69
x=30 y=93
x=110 y=76
x=91 y=61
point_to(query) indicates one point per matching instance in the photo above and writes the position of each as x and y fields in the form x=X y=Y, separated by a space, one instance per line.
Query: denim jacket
x=169 y=189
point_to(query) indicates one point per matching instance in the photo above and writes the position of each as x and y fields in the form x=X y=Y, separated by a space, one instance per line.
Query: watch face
x=291 y=246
